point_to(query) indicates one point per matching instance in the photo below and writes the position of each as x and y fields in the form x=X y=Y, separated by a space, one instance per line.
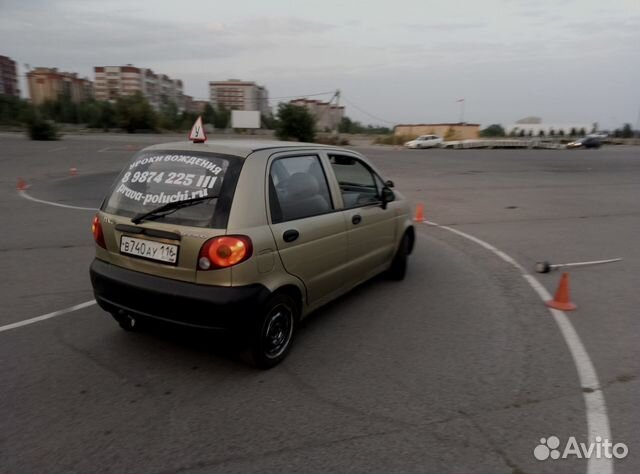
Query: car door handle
x=290 y=235
x=356 y=219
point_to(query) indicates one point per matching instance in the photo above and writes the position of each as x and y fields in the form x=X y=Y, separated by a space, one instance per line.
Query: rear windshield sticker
x=153 y=179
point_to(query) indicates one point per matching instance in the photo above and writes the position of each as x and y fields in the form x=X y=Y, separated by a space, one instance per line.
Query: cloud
x=115 y=38
x=67 y=35
x=281 y=26
x=608 y=26
x=441 y=26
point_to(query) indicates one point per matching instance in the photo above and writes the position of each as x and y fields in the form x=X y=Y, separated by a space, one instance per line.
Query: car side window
x=357 y=182
x=298 y=188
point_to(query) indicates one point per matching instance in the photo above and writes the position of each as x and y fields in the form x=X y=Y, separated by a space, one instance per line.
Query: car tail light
x=96 y=229
x=225 y=251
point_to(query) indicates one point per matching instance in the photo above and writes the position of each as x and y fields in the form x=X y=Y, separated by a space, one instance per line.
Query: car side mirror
x=389 y=184
x=386 y=196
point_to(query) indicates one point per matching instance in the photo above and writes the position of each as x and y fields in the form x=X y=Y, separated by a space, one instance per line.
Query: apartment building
x=115 y=81
x=171 y=90
x=8 y=77
x=235 y=94
x=194 y=106
x=263 y=101
x=112 y=82
x=327 y=115
x=150 y=87
x=49 y=84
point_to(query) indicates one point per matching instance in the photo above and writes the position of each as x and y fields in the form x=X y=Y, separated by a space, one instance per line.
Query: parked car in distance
x=586 y=142
x=424 y=141
x=601 y=135
x=245 y=236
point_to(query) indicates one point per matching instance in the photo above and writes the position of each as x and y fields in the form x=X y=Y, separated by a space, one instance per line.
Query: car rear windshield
x=155 y=178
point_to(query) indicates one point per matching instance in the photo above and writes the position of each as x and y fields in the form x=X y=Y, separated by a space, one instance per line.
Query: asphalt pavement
x=460 y=368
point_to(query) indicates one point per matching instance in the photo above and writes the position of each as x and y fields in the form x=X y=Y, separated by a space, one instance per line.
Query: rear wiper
x=169 y=208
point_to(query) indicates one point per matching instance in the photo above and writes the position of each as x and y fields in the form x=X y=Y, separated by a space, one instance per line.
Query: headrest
x=302 y=185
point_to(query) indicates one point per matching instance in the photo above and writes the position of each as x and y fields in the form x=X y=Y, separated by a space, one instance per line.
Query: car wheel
x=128 y=322
x=274 y=330
x=398 y=268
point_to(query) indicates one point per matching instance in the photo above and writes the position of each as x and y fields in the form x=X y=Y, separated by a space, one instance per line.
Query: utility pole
x=23 y=92
x=337 y=124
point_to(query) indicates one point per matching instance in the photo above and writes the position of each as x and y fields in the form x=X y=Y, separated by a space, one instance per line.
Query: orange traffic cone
x=21 y=185
x=73 y=171
x=419 y=213
x=561 y=299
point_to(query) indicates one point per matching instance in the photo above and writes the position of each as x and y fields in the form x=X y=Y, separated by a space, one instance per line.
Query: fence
x=533 y=143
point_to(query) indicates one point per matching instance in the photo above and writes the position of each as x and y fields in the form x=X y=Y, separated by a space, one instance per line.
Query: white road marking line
x=595 y=406
x=102 y=150
x=57 y=204
x=26 y=322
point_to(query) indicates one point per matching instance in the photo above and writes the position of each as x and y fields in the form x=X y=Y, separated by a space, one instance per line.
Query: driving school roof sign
x=197 y=134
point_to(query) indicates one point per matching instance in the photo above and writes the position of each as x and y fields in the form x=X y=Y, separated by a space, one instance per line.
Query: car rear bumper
x=121 y=290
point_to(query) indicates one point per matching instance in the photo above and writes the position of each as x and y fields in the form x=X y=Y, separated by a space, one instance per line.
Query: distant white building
x=549 y=129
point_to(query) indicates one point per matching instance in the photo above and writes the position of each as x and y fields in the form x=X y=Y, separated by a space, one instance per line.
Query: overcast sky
x=400 y=61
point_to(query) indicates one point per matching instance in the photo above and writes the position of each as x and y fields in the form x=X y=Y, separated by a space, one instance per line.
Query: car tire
x=273 y=331
x=398 y=268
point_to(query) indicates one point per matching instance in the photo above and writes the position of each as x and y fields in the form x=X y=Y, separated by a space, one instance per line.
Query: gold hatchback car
x=247 y=236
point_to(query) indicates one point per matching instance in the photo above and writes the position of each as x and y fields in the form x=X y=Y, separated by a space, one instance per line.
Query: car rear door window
x=357 y=182
x=298 y=188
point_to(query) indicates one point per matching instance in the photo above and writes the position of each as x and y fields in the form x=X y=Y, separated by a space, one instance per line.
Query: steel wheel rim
x=278 y=330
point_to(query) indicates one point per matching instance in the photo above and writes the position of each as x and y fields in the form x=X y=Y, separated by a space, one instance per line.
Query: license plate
x=143 y=248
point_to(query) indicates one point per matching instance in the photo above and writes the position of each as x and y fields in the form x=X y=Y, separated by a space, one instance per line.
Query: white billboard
x=245 y=119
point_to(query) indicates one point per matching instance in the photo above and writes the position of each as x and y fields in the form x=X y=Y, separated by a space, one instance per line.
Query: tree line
x=134 y=113
x=497 y=130
x=129 y=113
x=352 y=126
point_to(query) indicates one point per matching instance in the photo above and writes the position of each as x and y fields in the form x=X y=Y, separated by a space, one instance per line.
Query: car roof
x=240 y=148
